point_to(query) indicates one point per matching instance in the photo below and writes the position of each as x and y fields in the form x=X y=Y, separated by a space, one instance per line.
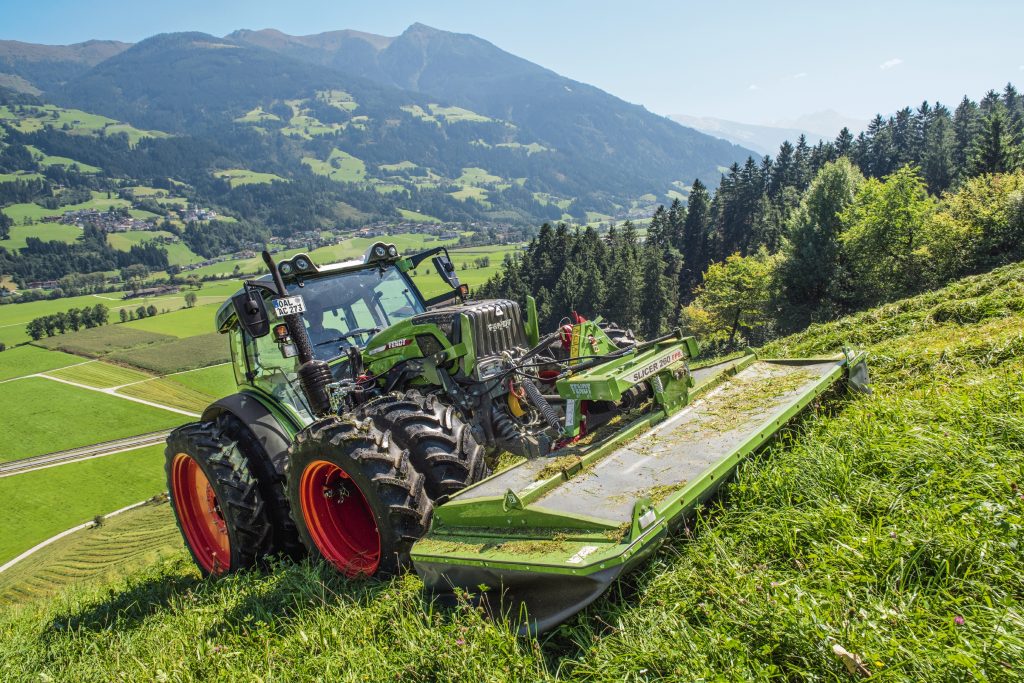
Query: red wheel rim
x=339 y=519
x=200 y=515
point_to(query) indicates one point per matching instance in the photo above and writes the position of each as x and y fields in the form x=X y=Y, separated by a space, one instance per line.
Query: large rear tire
x=216 y=499
x=440 y=444
x=356 y=498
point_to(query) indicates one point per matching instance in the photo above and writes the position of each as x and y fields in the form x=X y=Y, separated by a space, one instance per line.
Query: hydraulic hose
x=538 y=400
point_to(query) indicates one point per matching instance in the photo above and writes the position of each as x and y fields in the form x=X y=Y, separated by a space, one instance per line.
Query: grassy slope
x=122 y=545
x=26 y=360
x=874 y=524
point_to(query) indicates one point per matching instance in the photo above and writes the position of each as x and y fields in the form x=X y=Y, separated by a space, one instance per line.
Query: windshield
x=347 y=309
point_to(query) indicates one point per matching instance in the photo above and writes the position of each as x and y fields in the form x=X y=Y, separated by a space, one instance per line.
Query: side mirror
x=446 y=269
x=252 y=313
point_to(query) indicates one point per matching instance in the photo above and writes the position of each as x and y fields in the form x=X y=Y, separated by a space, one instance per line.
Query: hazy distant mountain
x=32 y=68
x=601 y=136
x=826 y=123
x=765 y=139
x=761 y=139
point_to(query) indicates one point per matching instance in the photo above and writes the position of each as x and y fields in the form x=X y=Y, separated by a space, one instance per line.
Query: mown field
x=121 y=545
x=40 y=504
x=889 y=525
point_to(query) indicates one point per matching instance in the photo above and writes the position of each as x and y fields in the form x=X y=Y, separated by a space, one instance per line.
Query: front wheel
x=356 y=498
x=216 y=500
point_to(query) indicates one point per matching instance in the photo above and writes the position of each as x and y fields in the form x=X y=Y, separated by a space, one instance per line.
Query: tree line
x=917 y=199
x=73 y=319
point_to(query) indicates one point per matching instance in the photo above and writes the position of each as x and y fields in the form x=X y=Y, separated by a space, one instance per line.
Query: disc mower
x=370 y=422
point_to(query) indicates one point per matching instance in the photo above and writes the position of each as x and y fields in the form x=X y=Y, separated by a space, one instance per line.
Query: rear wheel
x=356 y=499
x=216 y=499
x=439 y=442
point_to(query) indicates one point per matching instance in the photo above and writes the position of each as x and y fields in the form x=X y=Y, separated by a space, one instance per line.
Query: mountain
x=437 y=123
x=32 y=68
x=762 y=139
x=825 y=123
x=601 y=136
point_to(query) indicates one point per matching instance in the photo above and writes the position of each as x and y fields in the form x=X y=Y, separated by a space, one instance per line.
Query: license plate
x=292 y=305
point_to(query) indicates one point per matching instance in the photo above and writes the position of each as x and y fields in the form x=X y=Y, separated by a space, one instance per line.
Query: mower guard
x=541 y=540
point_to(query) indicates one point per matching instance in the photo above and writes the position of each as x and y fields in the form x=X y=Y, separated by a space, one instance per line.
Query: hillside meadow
x=886 y=524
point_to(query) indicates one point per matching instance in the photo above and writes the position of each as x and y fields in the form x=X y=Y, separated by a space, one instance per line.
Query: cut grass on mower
x=888 y=525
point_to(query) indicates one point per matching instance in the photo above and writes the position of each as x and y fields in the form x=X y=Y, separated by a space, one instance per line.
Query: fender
x=274 y=436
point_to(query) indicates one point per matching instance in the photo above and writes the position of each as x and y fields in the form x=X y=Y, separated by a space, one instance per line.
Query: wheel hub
x=339 y=519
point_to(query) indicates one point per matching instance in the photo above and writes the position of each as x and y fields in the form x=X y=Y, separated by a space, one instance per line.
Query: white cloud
x=890 y=63
x=802 y=74
x=753 y=86
x=1021 y=67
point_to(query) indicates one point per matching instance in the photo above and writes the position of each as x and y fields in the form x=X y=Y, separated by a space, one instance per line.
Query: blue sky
x=757 y=62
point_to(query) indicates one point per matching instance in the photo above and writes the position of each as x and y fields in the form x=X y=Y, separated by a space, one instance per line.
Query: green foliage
x=888 y=237
x=812 y=248
x=735 y=297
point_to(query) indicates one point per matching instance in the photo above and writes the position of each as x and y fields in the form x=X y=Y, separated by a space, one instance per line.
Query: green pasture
x=47 y=232
x=417 y=217
x=184 y=322
x=340 y=166
x=237 y=177
x=42 y=416
x=40 y=504
x=217 y=381
x=28 y=360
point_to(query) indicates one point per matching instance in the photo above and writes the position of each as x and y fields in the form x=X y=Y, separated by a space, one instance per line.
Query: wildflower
x=460 y=642
x=959 y=620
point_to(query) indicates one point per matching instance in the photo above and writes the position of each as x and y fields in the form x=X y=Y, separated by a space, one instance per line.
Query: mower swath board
x=551 y=534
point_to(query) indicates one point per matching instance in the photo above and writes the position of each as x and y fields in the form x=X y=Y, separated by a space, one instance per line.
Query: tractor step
x=548 y=535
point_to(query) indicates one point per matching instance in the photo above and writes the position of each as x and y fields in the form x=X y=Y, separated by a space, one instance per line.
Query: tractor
x=370 y=420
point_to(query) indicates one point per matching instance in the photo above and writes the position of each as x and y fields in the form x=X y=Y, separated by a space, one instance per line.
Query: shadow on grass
x=126 y=608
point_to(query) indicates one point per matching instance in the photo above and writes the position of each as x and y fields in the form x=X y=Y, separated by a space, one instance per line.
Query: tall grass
x=890 y=525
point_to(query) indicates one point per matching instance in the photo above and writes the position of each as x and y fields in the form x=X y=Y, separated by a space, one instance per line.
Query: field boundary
x=53 y=539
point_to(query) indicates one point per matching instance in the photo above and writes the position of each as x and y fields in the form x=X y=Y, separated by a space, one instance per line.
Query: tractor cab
x=342 y=307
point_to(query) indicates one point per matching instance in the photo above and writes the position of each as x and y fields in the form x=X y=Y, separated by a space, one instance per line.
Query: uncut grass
x=178 y=355
x=874 y=523
x=99 y=341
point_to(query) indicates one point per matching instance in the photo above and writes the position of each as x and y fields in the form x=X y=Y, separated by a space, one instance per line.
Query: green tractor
x=369 y=421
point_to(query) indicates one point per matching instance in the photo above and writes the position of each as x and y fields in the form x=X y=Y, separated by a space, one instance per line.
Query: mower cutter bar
x=549 y=535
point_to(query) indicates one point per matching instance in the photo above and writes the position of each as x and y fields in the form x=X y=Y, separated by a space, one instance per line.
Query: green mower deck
x=546 y=537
